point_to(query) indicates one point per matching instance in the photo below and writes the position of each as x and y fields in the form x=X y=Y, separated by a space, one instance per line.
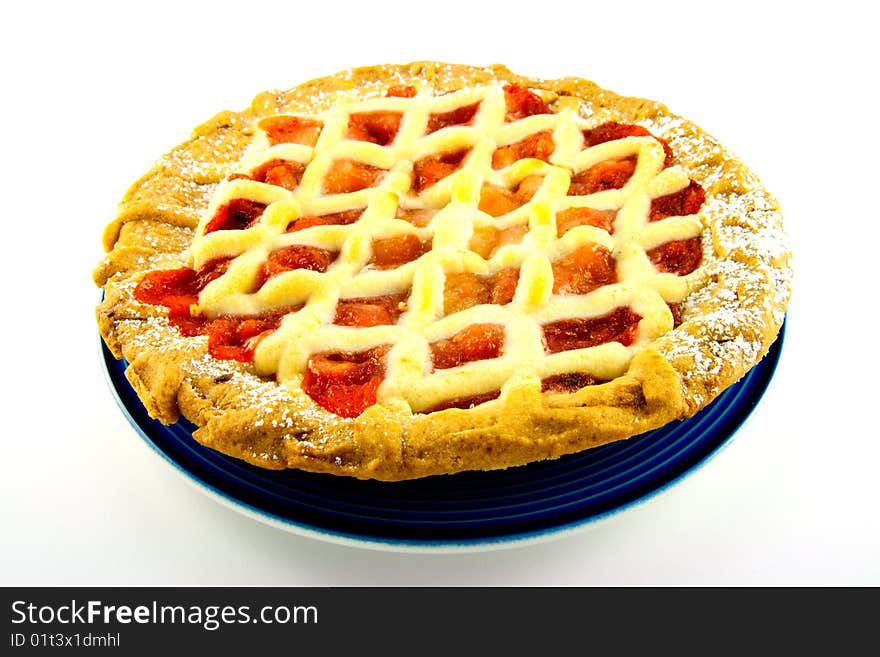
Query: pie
x=409 y=270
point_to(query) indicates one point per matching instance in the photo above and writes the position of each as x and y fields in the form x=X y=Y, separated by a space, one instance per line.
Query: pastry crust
x=740 y=293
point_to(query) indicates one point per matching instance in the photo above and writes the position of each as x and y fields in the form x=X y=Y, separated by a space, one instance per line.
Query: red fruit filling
x=370 y=311
x=618 y=326
x=679 y=257
x=334 y=219
x=434 y=168
x=295 y=256
x=611 y=131
x=571 y=217
x=376 y=127
x=390 y=252
x=466 y=289
x=238 y=214
x=345 y=383
x=476 y=342
x=610 y=174
x=686 y=201
x=291 y=130
x=520 y=103
x=459 y=116
x=539 y=146
x=586 y=268
x=346 y=175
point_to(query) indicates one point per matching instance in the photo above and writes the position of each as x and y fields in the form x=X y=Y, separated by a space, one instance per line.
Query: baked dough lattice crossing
x=391 y=167
x=404 y=271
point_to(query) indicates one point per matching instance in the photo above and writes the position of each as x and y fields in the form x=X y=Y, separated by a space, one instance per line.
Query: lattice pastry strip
x=340 y=263
x=390 y=186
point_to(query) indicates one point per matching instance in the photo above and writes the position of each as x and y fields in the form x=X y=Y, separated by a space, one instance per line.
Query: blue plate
x=467 y=511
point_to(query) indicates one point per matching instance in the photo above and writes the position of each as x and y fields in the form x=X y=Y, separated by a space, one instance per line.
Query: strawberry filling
x=572 y=217
x=345 y=383
x=487 y=239
x=291 y=130
x=496 y=200
x=432 y=169
x=618 y=326
x=237 y=214
x=679 y=257
x=611 y=131
x=346 y=175
x=295 y=256
x=459 y=116
x=683 y=202
x=401 y=91
x=230 y=337
x=390 y=252
x=520 y=103
x=476 y=342
x=418 y=217
x=539 y=146
x=178 y=289
x=334 y=219
x=280 y=173
x=464 y=290
x=370 y=311
x=503 y=286
x=610 y=174
x=376 y=127
x=586 y=268
x=235 y=337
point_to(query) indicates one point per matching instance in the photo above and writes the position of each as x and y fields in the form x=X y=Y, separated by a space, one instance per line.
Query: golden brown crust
x=729 y=322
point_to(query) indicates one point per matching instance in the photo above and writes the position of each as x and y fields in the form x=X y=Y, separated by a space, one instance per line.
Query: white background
x=92 y=94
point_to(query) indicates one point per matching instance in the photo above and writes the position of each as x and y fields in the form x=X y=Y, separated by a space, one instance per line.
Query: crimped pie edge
x=728 y=324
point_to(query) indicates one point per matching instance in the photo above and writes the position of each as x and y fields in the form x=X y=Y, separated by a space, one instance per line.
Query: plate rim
x=397 y=544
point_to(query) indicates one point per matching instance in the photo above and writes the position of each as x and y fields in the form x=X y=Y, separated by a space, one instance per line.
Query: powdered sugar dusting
x=731 y=320
x=289 y=412
x=738 y=298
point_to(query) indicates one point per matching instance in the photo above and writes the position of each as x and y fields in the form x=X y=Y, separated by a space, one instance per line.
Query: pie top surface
x=410 y=270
